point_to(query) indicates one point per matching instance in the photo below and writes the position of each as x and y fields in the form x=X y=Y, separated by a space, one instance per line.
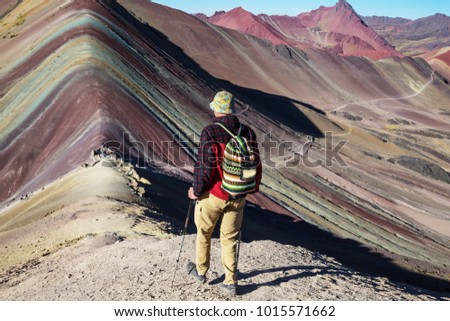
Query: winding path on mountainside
x=417 y=93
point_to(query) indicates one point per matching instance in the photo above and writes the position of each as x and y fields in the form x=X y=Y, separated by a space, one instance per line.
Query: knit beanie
x=223 y=103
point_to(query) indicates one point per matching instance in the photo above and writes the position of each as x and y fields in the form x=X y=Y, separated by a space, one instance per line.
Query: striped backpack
x=239 y=165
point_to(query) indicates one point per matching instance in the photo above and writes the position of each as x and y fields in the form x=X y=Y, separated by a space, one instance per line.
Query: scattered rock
x=283 y=51
x=351 y=116
x=373 y=155
x=145 y=181
x=113 y=238
x=400 y=121
x=140 y=191
x=425 y=168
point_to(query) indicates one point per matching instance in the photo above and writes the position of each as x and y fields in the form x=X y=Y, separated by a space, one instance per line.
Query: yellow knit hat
x=223 y=103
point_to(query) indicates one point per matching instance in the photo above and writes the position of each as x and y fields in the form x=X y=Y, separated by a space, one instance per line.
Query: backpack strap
x=240 y=140
x=241 y=126
x=229 y=132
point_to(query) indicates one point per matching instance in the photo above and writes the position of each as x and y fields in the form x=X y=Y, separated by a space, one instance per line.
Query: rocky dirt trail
x=109 y=268
x=60 y=247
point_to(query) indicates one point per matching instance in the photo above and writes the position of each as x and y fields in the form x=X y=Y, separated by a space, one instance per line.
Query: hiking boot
x=192 y=271
x=230 y=289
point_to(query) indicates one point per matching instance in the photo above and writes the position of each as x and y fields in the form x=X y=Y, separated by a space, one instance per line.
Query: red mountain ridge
x=338 y=29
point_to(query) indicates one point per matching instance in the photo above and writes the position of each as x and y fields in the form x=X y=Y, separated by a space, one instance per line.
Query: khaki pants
x=208 y=210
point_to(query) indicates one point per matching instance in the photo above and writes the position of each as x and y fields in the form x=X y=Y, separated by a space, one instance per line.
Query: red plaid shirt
x=206 y=172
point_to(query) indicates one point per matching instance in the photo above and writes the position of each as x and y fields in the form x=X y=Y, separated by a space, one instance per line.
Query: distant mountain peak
x=235 y=12
x=240 y=10
x=217 y=13
x=201 y=16
x=413 y=37
x=343 y=4
x=338 y=28
x=440 y=15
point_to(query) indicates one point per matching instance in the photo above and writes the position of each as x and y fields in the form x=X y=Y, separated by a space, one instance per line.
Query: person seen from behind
x=227 y=169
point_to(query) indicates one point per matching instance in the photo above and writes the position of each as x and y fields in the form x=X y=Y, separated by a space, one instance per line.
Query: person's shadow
x=306 y=271
x=262 y=224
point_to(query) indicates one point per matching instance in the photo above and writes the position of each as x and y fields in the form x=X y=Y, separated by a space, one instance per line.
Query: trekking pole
x=182 y=240
x=238 y=248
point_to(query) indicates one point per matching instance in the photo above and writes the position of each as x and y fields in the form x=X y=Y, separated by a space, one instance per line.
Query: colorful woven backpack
x=239 y=165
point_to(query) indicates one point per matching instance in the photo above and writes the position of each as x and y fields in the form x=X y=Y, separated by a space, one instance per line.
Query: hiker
x=216 y=196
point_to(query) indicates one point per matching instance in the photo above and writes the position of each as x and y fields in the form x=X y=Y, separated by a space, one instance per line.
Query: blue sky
x=411 y=9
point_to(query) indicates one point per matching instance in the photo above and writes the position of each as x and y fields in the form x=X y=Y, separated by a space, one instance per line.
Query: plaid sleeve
x=204 y=164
